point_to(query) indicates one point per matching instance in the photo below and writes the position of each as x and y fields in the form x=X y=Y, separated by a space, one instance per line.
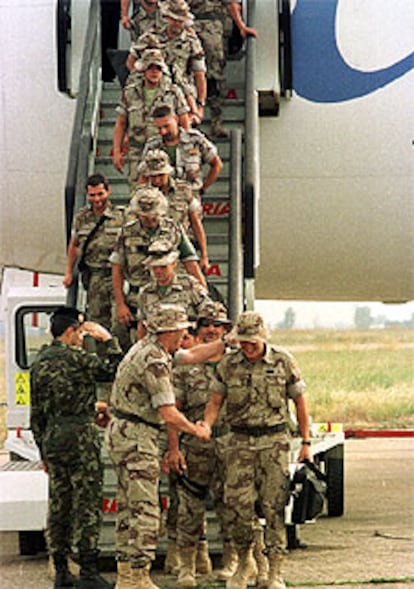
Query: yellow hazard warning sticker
x=22 y=388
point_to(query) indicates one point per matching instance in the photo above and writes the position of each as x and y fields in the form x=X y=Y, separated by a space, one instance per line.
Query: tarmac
x=370 y=547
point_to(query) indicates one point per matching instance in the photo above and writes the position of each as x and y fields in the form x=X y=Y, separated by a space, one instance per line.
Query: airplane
x=334 y=198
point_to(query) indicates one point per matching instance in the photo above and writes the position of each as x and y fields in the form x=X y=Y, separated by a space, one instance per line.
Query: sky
x=310 y=314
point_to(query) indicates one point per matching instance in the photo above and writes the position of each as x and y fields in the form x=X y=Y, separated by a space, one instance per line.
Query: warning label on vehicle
x=22 y=388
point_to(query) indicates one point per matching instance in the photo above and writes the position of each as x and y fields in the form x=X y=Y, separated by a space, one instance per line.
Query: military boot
x=217 y=129
x=140 y=578
x=261 y=559
x=203 y=561
x=123 y=575
x=89 y=576
x=230 y=560
x=72 y=566
x=172 y=559
x=187 y=573
x=275 y=572
x=63 y=577
x=246 y=570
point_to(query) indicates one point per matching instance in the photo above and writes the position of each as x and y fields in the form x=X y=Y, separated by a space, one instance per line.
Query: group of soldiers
x=207 y=403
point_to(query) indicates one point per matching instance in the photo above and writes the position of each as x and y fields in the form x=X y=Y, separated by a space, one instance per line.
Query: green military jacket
x=63 y=394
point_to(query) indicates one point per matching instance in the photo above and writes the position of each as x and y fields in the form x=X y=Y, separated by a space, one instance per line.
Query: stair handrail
x=251 y=192
x=235 y=279
x=83 y=130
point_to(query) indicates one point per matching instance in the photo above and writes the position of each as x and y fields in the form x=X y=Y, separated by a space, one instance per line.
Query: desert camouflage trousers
x=211 y=35
x=99 y=304
x=257 y=469
x=205 y=472
x=75 y=494
x=133 y=449
x=134 y=159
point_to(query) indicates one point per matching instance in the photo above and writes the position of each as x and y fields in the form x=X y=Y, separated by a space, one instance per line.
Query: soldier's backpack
x=308 y=488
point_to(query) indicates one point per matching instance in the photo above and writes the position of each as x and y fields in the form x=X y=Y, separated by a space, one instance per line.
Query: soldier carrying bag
x=308 y=488
x=82 y=266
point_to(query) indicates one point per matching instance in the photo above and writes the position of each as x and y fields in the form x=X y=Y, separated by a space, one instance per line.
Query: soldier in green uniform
x=147 y=87
x=142 y=400
x=63 y=380
x=94 y=234
x=257 y=381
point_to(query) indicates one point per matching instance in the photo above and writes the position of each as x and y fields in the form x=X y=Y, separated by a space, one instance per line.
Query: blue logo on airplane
x=320 y=73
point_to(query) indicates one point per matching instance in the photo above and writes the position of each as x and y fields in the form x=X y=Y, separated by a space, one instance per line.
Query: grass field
x=363 y=379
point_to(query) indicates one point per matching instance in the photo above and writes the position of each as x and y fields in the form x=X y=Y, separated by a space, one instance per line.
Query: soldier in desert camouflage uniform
x=142 y=399
x=146 y=16
x=184 y=208
x=97 y=273
x=209 y=25
x=182 y=51
x=147 y=87
x=167 y=285
x=199 y=464
x=132 y=249
x=257 y=382
x=63 y=396
x=188 y=151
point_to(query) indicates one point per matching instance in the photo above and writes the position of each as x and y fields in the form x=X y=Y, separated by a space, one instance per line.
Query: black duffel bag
x=308 y=488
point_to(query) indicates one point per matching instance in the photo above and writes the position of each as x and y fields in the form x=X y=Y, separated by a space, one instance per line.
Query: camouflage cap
x=156 y=162
x=213 y=311
x=151 y=56
x=167 y=317
x=148 y=200
x=177 y=10
x=161 y=253
x=250 y=328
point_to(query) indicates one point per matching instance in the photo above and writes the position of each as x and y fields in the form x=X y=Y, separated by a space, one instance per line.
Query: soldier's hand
x=43 y=465
x=126 y=22
x=305 y=454
x=124 y=314
x=204 y=263
x=67 y=279
x=203 y=431
x=103 y=417
x=118 y=159
x=96 y=331
x=176 y=461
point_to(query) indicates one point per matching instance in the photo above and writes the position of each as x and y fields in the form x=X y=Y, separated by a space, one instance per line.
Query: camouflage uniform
x=142 y=385
x=62 y=384
x=132 y=249
x=135 y=108
x=256 y=455
x=183 y=55
x=184 y=290
x=142 y=22
x=181 y=203
x=99 y=290
x=193 y=386
x=191 y=153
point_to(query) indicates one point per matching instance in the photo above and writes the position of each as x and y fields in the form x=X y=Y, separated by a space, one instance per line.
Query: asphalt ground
x=370 y=546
